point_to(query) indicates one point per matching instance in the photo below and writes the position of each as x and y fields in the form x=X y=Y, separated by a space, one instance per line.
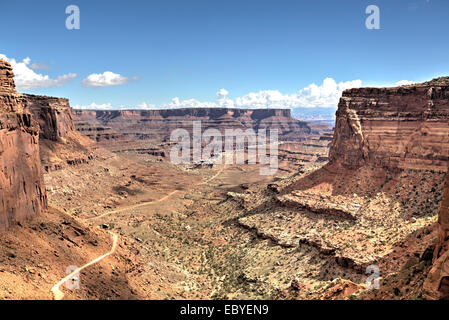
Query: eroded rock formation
x=22 y=194
x=436 y=285
x=53 y=114
x=402 y=127
x=60 y=143
x=158 y=124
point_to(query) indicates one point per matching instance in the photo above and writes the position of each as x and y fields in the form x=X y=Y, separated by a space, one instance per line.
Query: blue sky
x=259 y=53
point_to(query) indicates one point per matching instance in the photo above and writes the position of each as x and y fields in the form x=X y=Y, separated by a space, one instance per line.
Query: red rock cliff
x=156 y=124
x=436 y=285
x=401 y=127
x=404 y=127
x=59 y=142
x=53 y=114
x=22 y=194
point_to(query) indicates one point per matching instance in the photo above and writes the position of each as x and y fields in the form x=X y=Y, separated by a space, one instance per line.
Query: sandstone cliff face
x=59 y=141
x=53 y=114
x=436 y=285
x=22 y=194
x=157 y=124
x=403 y=127
x=6 y=78
x=443 y=222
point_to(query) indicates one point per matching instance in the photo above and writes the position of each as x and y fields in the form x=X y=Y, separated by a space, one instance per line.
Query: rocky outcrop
x=53 y=114
x=443 y=223
x=158 y=124
x=436 y=285
x=22 y=194
x=7 y=84
x=402 y=127
x=321 y=204
x=60 y=143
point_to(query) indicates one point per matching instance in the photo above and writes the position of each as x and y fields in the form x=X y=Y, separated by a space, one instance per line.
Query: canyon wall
x=401 y=127
x=53 y=114
x=22 y=193
x=443 y=223
x=436 y=285
x=158 y=124
x=59 y=142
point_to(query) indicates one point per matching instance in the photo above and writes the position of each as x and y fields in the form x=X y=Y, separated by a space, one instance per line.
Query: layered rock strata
x=436 y=285
x=22 y=193
x=401 y=127
x=158 y=124
x=53 y=114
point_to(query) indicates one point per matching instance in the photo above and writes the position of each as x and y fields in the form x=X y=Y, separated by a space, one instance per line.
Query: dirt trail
x=134 y=206
x=215 y=176
x=143 y=204
x=58 y=294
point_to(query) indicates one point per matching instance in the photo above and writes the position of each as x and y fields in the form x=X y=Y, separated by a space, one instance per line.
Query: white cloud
x=27 y=79
x=109 y=106
x=404 y=83
x=105 y=79
x=222 y=93
x=325 y=95
x=145 y=106
x=94 y=106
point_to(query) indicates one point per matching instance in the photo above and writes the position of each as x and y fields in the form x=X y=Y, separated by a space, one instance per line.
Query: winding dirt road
x=143 y=204
x=58 y=294
x=134 y=206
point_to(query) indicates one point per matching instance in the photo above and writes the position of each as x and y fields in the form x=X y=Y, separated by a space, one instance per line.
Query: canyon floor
x=136 y=226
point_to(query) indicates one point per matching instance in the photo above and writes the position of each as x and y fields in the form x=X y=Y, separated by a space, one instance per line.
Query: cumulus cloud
x=145 y=106
x=325 y=95
x=26 y=78
x=404 y=82
x=109 y=106
x=222 y=93
x=104 y=106
x=94 y=106
x=105 y=79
